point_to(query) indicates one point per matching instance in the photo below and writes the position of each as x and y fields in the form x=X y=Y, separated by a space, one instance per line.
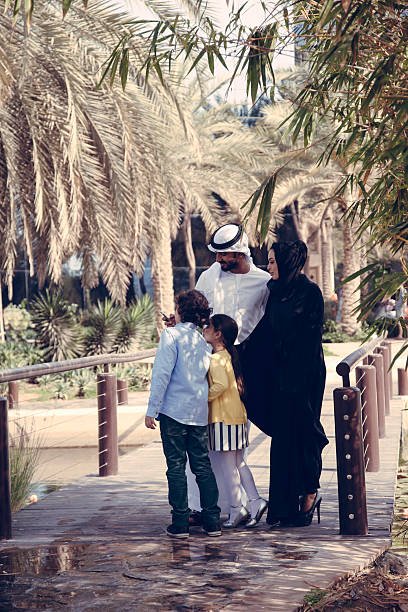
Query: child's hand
x=170 y=321
x=150 y=422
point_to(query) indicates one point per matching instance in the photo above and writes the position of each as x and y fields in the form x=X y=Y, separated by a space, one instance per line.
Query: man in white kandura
x=234 y=286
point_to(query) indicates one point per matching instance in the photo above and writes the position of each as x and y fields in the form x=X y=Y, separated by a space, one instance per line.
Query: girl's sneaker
x=174 y=531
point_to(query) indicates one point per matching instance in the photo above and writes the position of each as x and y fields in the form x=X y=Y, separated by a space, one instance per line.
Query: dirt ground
x=382 y=586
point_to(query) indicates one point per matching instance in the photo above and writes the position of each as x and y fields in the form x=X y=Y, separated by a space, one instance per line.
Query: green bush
x=333 y=333
x=55 y=324
x=19 y=354
x=139 y=376
x=111 y=329
x=17 y=323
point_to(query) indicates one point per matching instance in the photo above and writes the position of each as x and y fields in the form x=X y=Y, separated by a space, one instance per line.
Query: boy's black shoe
x=213 y=530
x=195 y=520
x=173 y=531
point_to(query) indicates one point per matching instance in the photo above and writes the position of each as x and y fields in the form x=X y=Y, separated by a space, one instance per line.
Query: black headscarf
x=290 y=257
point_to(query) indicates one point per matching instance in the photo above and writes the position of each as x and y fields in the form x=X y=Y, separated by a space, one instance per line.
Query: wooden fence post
x=388 y=345
x=366 y=382
x=350 y=462
x=12 y=394
x=123 y=398
x=382 y=350
x=402 y=381
x=108 y=427
x=5 y=498
x=377 y=360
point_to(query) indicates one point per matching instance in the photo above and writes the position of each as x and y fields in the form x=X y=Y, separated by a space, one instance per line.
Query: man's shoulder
x=258 y=273
x=207 y=275
x=215 y=267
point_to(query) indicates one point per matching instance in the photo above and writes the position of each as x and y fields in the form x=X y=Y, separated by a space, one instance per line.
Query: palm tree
x=103 y=173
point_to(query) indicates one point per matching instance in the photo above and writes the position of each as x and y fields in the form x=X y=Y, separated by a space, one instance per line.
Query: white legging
x=236 y=473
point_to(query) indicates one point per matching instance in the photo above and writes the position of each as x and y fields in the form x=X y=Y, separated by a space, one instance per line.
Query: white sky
x=251 y=16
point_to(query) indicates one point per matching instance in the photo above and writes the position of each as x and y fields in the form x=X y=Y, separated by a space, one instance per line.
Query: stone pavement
x=100 y=543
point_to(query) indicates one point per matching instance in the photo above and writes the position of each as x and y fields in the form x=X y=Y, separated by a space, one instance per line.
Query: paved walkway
x=100 y=543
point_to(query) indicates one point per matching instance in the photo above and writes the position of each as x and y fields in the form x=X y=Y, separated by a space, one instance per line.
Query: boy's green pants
x=179 y=441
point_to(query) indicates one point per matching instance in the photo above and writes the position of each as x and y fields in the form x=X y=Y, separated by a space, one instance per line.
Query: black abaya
x=285 y=376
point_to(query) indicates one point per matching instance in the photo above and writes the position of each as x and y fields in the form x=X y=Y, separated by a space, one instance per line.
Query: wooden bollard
x=377 y=360
x=350 y=462
x=367 y=383
x=122 y=392
x=12 y=394
x=388 y=345
x=108 y=425
x=382 y=350
x=402 y=381
x=5 y=498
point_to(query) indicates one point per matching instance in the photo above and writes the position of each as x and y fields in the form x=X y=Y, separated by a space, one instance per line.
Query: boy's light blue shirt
x=179 y=386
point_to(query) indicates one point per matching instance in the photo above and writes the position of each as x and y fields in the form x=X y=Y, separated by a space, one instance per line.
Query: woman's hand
x=150 y=422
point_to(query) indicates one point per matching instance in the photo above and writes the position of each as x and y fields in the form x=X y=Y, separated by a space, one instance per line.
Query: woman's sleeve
x=218 y=380
x=303 y=341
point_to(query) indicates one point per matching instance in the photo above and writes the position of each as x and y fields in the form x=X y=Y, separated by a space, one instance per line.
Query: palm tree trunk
x=188 y=242
x=2 y=334
x=162 y=271
x=327 y=258
x=351 y=295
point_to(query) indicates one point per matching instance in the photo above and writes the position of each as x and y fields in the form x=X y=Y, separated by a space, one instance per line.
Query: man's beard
x=227 y=266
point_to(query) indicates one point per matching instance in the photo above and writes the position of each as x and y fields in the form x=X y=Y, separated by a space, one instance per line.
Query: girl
x=227 y=429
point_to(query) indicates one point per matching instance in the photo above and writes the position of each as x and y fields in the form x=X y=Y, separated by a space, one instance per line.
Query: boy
x=179 y=395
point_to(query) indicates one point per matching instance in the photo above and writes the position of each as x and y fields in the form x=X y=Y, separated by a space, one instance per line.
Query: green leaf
x=210 y=57
x=197 y=59
x=124 y=68
x=66 y=5
x=286 y=17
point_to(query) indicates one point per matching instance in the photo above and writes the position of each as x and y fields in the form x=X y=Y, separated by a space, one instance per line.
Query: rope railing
x=360 y=413
x=58 y=414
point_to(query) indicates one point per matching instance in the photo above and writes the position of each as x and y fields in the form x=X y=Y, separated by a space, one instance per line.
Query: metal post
x=122 y=392
x=12 y=394
x=382 y=350
x=376 y=360
x=402 y=381
x=366 y=382
x=388 y=346
x=108 y=427
x=5 y=498
x=350 y=462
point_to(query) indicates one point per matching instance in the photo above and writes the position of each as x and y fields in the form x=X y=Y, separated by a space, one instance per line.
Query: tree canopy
x=356 y=81
x=355 y=52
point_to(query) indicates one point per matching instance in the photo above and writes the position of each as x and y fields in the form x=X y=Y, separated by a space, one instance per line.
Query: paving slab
x=99 y=543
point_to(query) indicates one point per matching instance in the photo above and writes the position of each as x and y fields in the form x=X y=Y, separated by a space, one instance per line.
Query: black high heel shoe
x=305 y=518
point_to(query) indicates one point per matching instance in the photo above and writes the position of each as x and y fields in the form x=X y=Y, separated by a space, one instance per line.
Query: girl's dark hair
x=229 y=332
x=193 y=307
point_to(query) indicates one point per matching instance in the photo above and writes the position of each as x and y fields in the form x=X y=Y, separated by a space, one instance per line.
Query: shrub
x=110 y=329
x=58 y=334
x=24 y=456
x=102 y=325
x=333 y=333
x=139 y=376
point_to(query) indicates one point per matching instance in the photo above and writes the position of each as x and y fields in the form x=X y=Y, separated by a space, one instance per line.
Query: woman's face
x=177 y=316
x=272 y=265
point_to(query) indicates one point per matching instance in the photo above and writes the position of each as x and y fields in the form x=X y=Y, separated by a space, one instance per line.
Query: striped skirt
x=223 y=437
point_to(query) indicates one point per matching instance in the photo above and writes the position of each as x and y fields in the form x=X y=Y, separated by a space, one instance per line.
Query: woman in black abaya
x=285 y=376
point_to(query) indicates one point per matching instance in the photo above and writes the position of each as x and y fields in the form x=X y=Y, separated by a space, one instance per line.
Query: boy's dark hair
x=229 y=332
x=193 y=307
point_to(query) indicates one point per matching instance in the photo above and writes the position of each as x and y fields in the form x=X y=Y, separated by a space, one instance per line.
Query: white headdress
x=229 y=238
